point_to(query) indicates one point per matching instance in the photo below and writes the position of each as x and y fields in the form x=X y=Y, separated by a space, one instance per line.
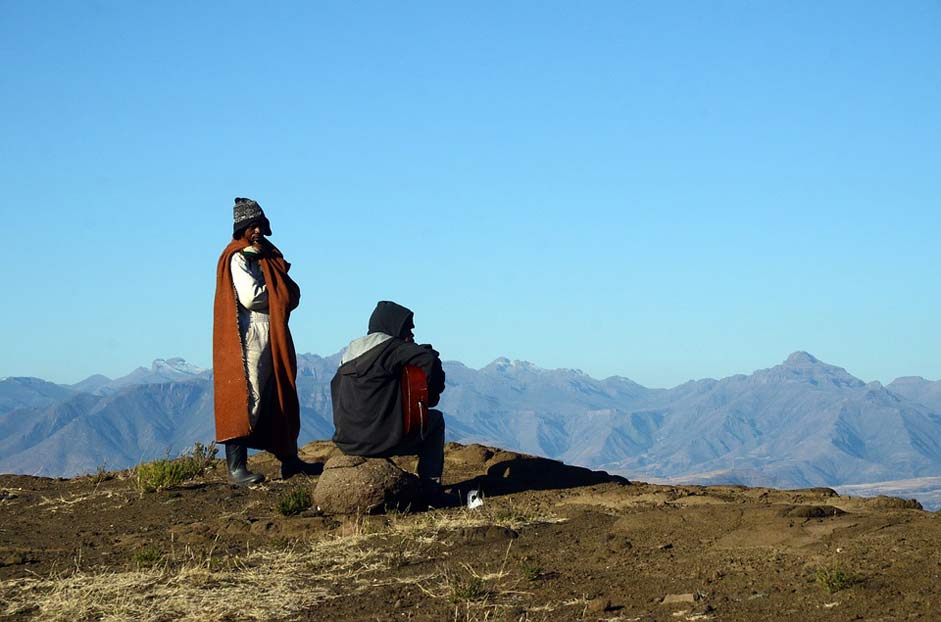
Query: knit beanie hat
x=247 y=213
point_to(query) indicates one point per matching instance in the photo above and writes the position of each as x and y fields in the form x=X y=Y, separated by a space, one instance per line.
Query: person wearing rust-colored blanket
x=254 y=363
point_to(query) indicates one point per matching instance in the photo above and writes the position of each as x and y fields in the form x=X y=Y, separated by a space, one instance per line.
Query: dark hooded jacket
x=367 y=388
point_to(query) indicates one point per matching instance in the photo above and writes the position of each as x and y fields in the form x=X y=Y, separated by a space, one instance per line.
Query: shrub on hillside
x=167 y=473
x=835 y=579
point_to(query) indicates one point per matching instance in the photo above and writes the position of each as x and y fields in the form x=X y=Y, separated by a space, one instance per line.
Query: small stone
x=260 y=528
x=618 y=542
x=599 y=605
x=485 y=534
x=674 y=599
x=666 y=547
x=17 y=559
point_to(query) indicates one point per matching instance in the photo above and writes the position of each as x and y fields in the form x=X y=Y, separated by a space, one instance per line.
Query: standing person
x=254 y=363
x=367 y=395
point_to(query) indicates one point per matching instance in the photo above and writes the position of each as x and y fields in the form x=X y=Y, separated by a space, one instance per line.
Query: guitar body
x=414 y=399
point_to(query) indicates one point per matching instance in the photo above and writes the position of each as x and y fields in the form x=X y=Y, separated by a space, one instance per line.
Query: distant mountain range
x=801 y=423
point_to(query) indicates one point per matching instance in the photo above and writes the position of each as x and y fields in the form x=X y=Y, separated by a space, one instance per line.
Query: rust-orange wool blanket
x=279 y=424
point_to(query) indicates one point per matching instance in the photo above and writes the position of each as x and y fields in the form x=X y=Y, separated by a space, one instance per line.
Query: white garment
x=250 y=288
x=252 y=298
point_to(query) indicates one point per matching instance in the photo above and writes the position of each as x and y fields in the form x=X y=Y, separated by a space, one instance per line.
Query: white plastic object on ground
x=475 y=499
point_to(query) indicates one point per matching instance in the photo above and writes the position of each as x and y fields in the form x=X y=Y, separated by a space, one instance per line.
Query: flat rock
x=673 y=599
x=598 y=605
x=812 y=511
x=356 y=485
x=893 y=503
x=472 y=454
x=17 y=559
x=819 y=491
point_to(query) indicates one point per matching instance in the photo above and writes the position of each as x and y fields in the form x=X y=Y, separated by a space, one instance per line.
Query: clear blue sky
x=658 y=190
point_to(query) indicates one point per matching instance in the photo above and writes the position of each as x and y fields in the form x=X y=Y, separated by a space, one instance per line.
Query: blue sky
x=662 y=191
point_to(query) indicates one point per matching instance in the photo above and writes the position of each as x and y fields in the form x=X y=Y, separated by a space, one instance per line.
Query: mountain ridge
x=800 y=423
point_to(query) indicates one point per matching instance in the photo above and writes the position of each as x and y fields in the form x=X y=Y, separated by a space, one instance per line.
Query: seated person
x=367 y=395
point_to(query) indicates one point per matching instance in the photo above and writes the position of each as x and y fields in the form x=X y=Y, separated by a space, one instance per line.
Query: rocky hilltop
x=550 y=542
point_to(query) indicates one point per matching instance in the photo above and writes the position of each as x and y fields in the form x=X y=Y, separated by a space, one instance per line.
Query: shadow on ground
x=525 y=473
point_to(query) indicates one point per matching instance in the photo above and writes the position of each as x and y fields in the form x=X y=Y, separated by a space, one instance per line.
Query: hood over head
x=391 y=318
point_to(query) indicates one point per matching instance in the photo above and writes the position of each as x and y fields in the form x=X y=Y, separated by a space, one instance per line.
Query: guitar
x=414 y=399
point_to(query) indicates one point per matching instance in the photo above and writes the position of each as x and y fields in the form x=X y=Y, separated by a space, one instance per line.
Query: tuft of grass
x=466 y=587
x=294 y=501
x=202 y=456
x=834 y=579
x=405 y=550
x=515 y=517
x=147 y=557
x=398 y=555
x=531 y=570
x=167 y=473
x=101 y=475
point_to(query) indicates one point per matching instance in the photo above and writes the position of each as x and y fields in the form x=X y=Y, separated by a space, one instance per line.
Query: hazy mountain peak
x=24 y=380
x=503 y=365
x=92 y=383
x=803 y=367
x=916 y=388
x=499 y=365
x=910 y=380
x=175 y=364
x=801 y=359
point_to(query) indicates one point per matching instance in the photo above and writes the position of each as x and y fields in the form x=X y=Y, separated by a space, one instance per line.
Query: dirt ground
x=551 y=542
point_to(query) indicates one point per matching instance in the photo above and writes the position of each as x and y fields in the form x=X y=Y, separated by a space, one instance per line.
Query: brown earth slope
x=551 y=542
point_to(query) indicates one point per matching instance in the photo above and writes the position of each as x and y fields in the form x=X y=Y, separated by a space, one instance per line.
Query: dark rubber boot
x=434 y=495
x=236 y=459
x=292 y=465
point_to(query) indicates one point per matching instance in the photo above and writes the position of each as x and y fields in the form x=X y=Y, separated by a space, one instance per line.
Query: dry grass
x=437 y=521
x=109 y=500
x=263 y=585
x=275 y=583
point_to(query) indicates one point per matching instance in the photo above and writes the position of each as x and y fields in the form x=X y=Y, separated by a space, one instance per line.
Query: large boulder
x=355 y=485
